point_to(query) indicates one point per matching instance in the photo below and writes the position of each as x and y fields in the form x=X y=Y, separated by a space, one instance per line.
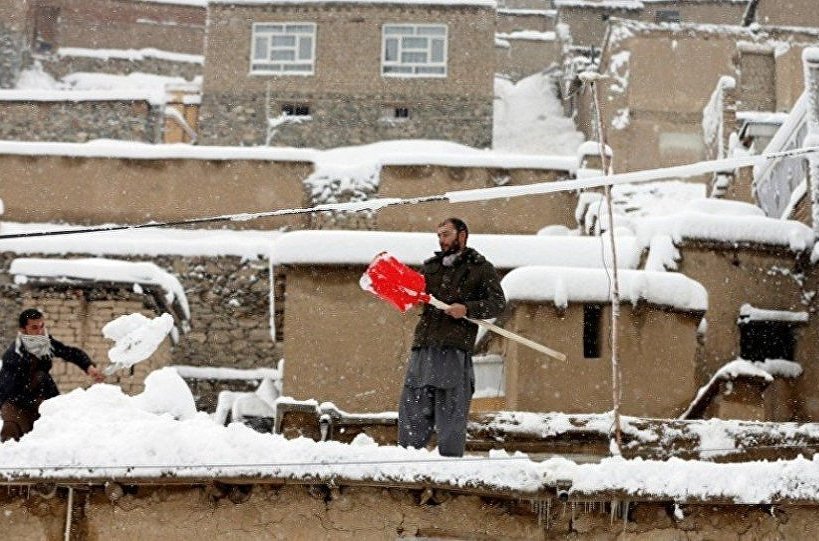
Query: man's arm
x=492 y=299
x=78 y=357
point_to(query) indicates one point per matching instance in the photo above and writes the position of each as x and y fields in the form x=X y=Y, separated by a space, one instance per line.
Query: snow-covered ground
x=529 y=118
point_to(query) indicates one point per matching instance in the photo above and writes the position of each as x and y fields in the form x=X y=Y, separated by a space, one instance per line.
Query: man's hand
x=96 y=374
x=456 y=310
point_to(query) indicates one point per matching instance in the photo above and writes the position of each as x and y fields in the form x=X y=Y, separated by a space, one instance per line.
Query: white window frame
x=279 y=67
x=413 y=69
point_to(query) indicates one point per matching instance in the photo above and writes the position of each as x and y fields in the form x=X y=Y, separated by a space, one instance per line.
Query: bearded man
x=24 y=378
x=440 y=379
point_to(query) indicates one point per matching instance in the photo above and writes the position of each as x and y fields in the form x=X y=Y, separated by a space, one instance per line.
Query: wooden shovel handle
x=503 y=332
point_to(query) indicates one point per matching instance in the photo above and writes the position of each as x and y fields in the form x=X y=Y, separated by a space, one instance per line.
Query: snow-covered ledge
x=103 y=270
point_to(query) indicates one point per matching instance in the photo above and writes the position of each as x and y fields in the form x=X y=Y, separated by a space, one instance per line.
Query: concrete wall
x=515 y=215
x=347 y=94
x=657 y=357
x=80 y=121
x=787 y=13
x=111 y=190
x=341 y=344
x=60 y=66
x=525 y=57
x=763 y=278
x=190 y=512
x=125 y=24
x=657 y=94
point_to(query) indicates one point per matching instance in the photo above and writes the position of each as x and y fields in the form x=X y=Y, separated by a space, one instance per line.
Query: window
x=283 y=48
x=296 y=109
x=760 y=340
x=414 y=50
x=592 y=316
x=45 y=28
x=667 y=16
x=401 y=112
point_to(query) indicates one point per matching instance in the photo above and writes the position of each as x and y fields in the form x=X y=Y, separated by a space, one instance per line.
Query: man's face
x=34 y=326
x=450 y=241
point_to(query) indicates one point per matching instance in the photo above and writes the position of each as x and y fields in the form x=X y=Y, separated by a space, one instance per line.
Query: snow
x=749 y=313
x=550 y=13
x=226 y=374
x=101 y=269
x=529 y=118
x=504 y=251
x=166 y=393
x=562 y=286
x=136 y=337
x=480 y=3
x=157 y=434
x=247 y=244
x=131 y=54
x=604 y=4
x=528 y=35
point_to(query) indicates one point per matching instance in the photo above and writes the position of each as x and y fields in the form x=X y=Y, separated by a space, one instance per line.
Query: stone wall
x=60 y=66
x=340 y=120
x=80 y=121
x=11 y=55
x=229 y=323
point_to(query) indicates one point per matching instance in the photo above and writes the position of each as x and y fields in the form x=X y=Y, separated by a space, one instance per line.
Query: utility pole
x=591 y=78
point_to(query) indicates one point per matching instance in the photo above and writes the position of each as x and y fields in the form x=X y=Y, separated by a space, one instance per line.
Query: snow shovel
x=401 y=286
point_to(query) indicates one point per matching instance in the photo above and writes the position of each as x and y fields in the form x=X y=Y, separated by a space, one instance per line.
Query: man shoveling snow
x=136 y=337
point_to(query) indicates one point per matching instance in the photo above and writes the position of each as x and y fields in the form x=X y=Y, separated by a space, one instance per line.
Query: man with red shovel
x=440 y=380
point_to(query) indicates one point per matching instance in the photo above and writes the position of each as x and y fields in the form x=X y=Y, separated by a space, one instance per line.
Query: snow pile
x=104 y=270
x=562 y=286
x=136 y=337
x=166 y=393
x=529 y=118
x=749 y=313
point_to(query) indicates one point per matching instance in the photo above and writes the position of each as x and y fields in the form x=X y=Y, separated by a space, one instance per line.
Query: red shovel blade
x=394 y=282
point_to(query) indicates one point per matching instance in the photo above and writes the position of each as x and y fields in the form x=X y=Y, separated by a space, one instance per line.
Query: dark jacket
x=471 y=281
x=24 y=378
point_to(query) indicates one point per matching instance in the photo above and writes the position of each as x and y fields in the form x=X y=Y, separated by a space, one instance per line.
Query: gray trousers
x=425 y=407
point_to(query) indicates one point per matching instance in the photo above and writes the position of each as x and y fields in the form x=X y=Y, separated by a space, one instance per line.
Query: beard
x=454 y=248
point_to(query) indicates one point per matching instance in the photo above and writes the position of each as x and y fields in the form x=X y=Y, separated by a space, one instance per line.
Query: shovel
x=403 y=287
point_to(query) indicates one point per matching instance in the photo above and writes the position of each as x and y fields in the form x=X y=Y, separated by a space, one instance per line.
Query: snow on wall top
x=99 y=269
x=755 y=33
x=504 y=251
x=603 y=4
x=131 y=54
x=193 y=3
x=726 y=228
x=248 y=244
x=444 y=3
x=562 y=286
x=385 y=153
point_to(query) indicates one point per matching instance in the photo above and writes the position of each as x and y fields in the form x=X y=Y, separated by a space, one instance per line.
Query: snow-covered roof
x=562 y=286
x=443 y=3
x=727 y=228
x=248 y=244
x=157 y=434
x=750 y=313
x=504 y=251
x=141 y=94
x=104 y=270
x=384 y=153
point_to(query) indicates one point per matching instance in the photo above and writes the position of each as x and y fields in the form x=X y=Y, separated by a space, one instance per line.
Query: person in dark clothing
x=24 y=378
x=440 y=379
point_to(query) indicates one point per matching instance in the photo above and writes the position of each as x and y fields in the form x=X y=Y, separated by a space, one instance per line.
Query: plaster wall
x=657 y=358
